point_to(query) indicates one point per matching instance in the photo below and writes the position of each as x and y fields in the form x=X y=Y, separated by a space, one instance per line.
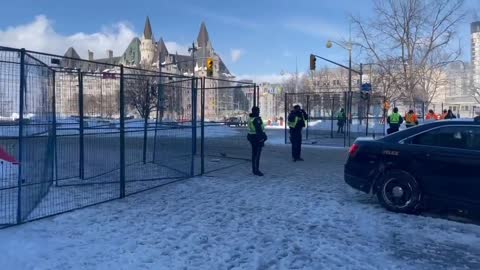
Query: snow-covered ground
x=112 y=128
x=374 y=126
x=299 y=216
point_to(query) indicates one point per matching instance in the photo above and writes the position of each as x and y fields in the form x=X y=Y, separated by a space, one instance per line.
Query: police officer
x=257 y=137
x=394 y=121
x=296 y=122
x=341 y=119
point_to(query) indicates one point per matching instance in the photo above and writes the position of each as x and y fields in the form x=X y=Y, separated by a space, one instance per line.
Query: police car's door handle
x=427 y=155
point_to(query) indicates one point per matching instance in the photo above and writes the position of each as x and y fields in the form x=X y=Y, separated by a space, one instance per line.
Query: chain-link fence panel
x=224 y=112
x=9 y=135
x=325 y=110
x=36 y=135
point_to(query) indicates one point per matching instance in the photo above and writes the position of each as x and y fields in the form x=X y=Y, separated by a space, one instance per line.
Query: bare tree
x=410 y=33
x=431 y=80
x=475 y=92
x=141 y=93
x=385 y=77
x=112 y=106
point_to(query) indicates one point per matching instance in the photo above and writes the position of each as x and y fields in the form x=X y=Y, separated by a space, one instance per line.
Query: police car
x=437 y=162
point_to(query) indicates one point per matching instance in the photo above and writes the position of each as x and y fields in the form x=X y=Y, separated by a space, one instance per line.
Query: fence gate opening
x=338 y=118
x=224 y=111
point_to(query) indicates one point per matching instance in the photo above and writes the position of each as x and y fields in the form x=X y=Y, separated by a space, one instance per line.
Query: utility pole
x=193 y=49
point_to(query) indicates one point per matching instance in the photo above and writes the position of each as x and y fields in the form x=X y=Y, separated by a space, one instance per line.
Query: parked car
x=233 y=122
x=435 y=164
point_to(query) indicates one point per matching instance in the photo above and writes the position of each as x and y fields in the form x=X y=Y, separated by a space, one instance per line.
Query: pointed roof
x=162 y=48
x=71 y=53
x=203 y=38
x=162 y=51
x=147 y=32
x=131 y=56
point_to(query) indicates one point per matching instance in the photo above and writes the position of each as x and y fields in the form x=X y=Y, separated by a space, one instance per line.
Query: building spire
x=147 y=32
x=162 y=47
x=203 y=39
x=162 y=50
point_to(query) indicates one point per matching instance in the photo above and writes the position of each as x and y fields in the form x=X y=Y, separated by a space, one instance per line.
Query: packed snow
x=112 y=127
x=299 y=216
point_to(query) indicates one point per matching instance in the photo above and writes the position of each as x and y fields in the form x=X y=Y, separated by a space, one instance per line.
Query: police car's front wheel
x=399 y=192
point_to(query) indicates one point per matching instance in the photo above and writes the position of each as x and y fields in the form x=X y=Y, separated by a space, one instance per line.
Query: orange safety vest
x=410 y=119
x=432 y=116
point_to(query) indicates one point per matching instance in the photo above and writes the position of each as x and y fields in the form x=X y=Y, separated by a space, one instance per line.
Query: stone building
x=147 y=53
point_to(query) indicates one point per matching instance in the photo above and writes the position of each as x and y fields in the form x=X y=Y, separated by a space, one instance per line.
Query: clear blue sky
x=269 y=34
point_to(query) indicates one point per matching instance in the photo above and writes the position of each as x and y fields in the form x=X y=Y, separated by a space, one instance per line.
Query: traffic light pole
x=338 y=64
x=350 y=92
x=349 y=97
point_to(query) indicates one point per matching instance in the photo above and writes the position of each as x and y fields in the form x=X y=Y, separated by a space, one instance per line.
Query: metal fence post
x=350 y=121
x=254 y=95
x=258 y=95
x=194 y=127
x=145 y=123
x=385 y=112
x=423 y=110
x=20 y=136
x=285 y=121
x=159 y=88
x=347 y=119
x=368 y=112
x=308 y=112
x=202 y=124
x=81 y=125
x=332 y=117
x=122 y=133
x=54 y=114
x=194 y=114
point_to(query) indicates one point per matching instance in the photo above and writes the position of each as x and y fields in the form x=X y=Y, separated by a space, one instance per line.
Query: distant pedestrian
x=394 y=120
x=444 y=114
x=341 y=119
x=411 y=119
x=296 y=122
x=431 y=115
x=450 y=115
x=257 y=137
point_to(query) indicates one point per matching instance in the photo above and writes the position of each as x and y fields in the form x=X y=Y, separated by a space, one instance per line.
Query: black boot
x=258 y=173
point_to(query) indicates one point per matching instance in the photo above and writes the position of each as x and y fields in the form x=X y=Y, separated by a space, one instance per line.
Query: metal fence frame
x=139 y=146
x=339 y=99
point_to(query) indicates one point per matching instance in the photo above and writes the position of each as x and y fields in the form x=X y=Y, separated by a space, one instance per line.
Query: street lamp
x=349 y=99
x=192 y=50
x=349 y=49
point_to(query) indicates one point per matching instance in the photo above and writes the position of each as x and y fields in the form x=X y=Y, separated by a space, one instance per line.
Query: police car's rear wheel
x=399 y=192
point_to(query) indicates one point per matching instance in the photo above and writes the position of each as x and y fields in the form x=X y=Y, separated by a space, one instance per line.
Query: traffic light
x=209 y=67
x=313 y=62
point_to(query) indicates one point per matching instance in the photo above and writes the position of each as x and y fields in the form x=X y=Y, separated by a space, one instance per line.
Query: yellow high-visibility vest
x=394 y=118
x=294 y=123
x=251 y=126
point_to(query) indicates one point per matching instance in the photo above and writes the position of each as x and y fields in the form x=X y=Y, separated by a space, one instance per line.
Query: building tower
x=205 y=49
x=475 y=32
x=147 y=46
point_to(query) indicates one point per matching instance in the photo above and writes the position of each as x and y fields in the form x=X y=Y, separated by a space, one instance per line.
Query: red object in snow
x=7 y=157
